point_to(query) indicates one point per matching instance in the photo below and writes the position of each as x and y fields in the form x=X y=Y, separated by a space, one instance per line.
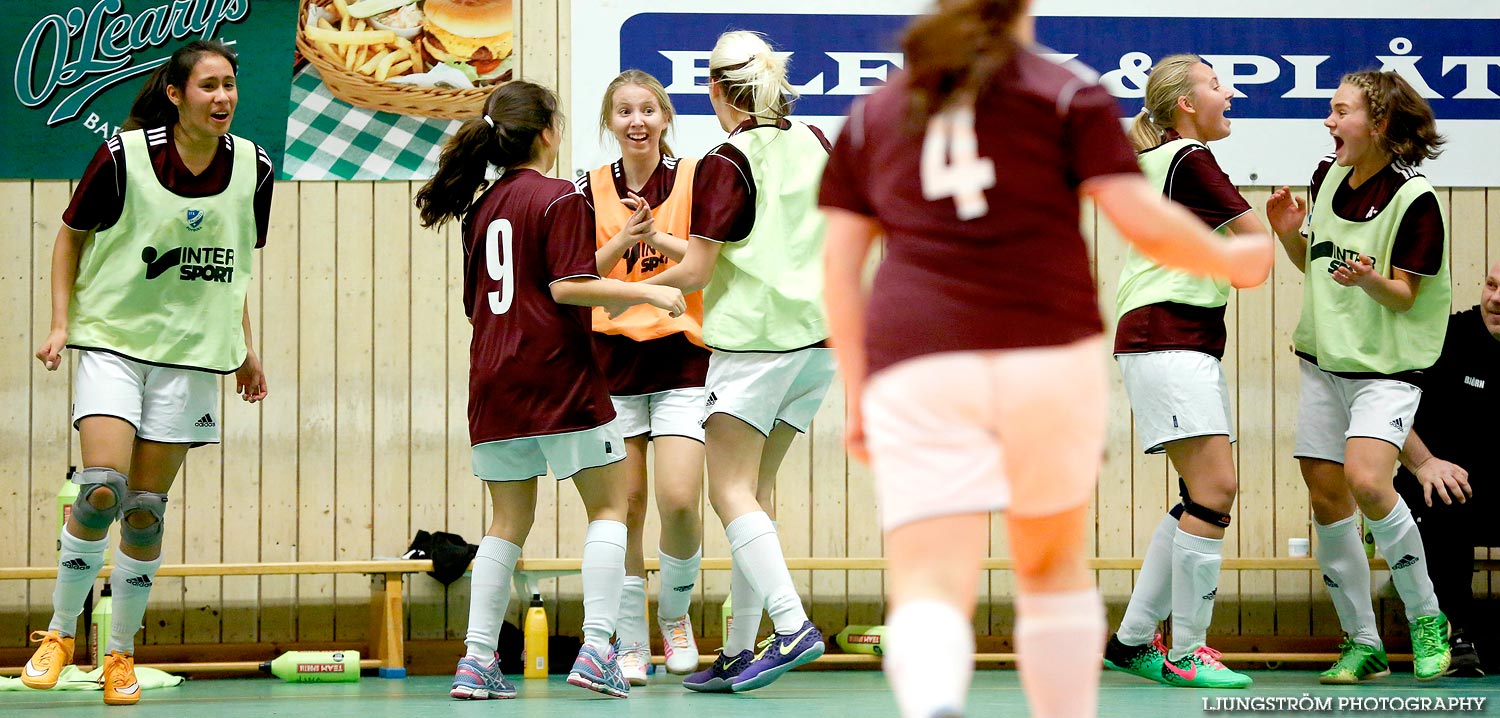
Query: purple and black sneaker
x=597 y=673
x=787 y=651
x=474 y=681
x=718 y=677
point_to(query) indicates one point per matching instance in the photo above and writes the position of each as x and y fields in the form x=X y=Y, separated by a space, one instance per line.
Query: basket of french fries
x=387 y=55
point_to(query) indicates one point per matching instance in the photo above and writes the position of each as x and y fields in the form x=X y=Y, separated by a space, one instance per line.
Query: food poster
x=75 y=66
x=380 y=84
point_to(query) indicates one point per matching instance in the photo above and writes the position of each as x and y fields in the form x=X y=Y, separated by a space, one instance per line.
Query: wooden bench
x=387 y=579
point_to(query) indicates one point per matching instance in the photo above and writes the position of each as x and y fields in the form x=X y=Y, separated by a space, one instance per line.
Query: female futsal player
x=149 y=277
x=975 y=362
x=536 y=397
x=1374 y=313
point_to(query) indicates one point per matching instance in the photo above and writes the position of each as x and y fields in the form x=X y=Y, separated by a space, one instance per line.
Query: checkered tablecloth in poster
x=328 y=139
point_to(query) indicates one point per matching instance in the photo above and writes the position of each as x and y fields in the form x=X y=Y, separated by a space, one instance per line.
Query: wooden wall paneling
x=238 y=614
x=794 y=485
x=354 y=406
x=467 y=497
x=1115 y=498
x=1467 y=252
x=281 y=413
x=16 y=283
x=318 y=354
x=829 y=525
x=1253 y=380
x=427 y=610
x=201 y=492
x=1294 y=518
x=392 y=353
x=50 y=414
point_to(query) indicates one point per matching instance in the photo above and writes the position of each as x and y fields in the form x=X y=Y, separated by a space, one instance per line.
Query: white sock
x=753 y=544
x=678 y=576
x=1195 y=583
x=630 y=628
x=131 y=586
x=1346 y=573
x=745 y=614
x=603 y=577
x=1399 y=542
x=1151 y=600
x=929 y=657
x=78 y=564
x=1059 y=639
x=489 y=596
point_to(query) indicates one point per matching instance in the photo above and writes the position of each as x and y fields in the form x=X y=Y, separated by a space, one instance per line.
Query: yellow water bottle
x=726 y=615
x=536 y=634
x=99 y=625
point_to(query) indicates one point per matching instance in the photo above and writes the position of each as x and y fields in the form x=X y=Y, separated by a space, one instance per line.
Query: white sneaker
x=635 y=659
x=681 y=648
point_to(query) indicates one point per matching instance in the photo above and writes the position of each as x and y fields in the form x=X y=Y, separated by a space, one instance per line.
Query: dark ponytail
x=152 y=107
x=519 y=111
x=954 y=51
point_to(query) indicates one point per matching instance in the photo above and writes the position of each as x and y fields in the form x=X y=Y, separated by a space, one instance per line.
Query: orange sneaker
x=120 y=685
x=47 y=663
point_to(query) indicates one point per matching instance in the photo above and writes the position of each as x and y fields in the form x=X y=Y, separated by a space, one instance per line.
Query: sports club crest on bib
x=193 y=220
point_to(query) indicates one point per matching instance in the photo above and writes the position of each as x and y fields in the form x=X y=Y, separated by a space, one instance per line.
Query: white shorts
x=1176 y=395
x=1334 y=409
x=762 y=388
x=966 y=432
x=165 y=404
x=675 y=412
x=567 y=454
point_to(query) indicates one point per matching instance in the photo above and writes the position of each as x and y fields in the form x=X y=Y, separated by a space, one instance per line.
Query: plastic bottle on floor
x=536 y=636
x=315 y=666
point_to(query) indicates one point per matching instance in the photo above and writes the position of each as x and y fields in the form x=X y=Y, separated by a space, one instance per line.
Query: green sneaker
x=1357 y=662
x=1144 y=661
x=1429 y=646
x=1202 y=669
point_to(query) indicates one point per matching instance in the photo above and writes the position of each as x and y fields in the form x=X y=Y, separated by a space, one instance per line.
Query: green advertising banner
x=76 y=65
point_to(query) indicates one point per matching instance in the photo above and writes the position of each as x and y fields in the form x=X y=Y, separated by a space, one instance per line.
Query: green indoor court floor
x=822 y=694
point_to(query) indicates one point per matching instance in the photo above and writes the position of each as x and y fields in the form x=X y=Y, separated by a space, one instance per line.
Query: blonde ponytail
x=752 y=75
x=1170 y=79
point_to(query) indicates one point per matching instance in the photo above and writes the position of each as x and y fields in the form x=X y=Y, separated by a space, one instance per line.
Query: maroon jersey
x=100 y=195
x=1015 y=275
x=1195 y=181
x=633 y=368
x=724 y=189
x=1419 y=240
x=531 y=362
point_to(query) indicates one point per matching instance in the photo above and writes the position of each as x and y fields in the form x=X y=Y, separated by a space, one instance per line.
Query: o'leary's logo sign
x=72 y=56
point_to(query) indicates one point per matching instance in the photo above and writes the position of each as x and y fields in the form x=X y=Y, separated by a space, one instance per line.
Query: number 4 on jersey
x=951 y=165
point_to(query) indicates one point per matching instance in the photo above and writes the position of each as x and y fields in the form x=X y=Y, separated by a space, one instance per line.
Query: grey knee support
x=91 y=480
x=142 y=501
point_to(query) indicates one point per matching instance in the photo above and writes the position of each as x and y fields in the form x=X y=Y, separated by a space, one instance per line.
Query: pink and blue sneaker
x=719 y=676
x=597 y=673
x=787 y=651
x=475 y=681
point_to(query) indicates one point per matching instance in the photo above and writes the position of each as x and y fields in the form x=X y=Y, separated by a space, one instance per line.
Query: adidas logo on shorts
x=683 y=589
x=1329 y=582
x=206 y=422
x=76 y=564
x=1406 y=561
x=1396 y=423
x=1211 y=594
x=139 y=581
x=712 y=399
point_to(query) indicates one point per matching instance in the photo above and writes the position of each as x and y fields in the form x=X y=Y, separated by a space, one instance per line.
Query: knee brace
x=143 y=501
x=91 y=480
x=1199 y=511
